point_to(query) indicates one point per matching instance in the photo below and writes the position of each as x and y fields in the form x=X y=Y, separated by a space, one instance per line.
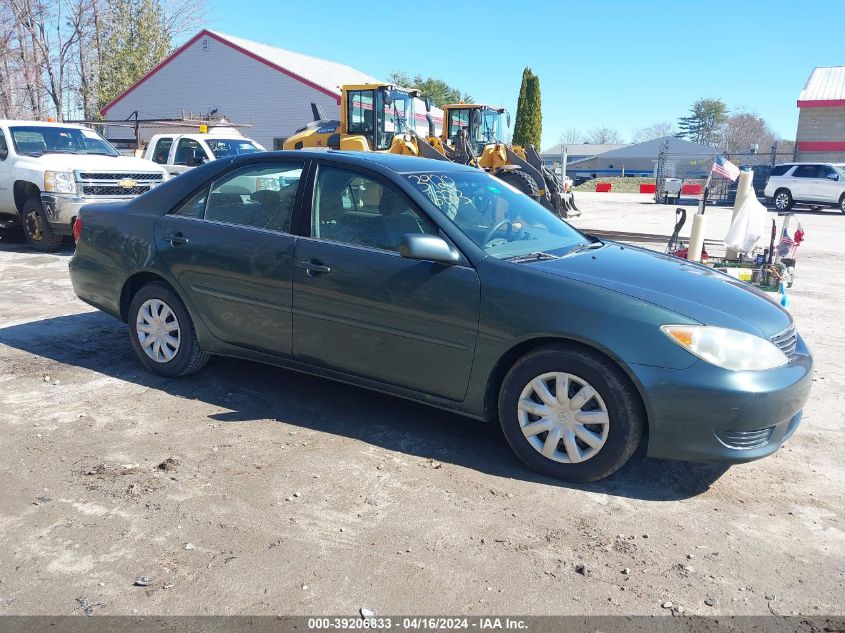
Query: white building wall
x=208 y=75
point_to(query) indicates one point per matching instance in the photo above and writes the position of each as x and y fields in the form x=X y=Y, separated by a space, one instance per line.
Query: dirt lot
x=249 y=489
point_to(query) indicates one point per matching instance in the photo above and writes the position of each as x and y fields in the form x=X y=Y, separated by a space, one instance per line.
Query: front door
x=829 y=184
x=361 y=308
x=230 y=251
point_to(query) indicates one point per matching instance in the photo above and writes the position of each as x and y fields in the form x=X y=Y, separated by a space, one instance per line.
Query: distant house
x=821 y=119
x=247 y=82
x=576 y=151
x=640 y=159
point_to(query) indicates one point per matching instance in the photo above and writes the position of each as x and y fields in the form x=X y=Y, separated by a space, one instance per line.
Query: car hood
x=692 y=290
x=90 y=162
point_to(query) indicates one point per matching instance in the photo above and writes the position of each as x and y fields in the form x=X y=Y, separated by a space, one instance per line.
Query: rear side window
x=183 y=148
x=162 y=150
x=807 y=171
x=4 y=149
x=260 y=196
x=780 y=170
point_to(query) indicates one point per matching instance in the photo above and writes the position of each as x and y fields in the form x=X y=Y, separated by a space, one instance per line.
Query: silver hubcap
x=158 y=331
x=781 y=201
x=563 y=417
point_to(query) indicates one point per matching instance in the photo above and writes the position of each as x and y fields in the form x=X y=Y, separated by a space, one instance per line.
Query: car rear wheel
x=37 y=230
x=570 y=413
x=162 y=334
x=842 y=203
x=783 y=200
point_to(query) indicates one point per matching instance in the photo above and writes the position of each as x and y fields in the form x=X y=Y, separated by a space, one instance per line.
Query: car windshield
x=37 y=140
x=497 y=217
x=221 y=148
x=841 y=169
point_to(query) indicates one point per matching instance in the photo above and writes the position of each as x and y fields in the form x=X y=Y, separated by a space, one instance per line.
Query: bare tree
x=744 y=131
x=571 y=136
x=656 y=130
x=603 y=135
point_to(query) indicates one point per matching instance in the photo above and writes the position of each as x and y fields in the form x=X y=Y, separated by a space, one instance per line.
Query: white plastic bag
x=748 y=226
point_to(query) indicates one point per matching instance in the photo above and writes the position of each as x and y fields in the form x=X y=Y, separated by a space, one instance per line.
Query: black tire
x=625 y=413
x=36 y=229
x=520 y=180
x=783 y=200
x=188 y=357
x=842 y=203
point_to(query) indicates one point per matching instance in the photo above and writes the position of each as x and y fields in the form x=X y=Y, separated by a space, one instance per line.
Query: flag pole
x=706 y=189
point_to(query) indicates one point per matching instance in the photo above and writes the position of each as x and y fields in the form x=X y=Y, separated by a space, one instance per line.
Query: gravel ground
x=247 y=489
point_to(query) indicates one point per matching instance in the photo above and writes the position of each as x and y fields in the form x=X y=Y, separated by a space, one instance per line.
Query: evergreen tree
x=704 y=124
x=521 y=122
x=137 y=38
x=535 y=131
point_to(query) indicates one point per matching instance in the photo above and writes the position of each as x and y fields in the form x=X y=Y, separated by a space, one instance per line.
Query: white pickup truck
x=180 y=152
x=49 y=170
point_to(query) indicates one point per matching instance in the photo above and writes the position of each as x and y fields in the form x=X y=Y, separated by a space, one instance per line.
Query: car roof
x=394 y=162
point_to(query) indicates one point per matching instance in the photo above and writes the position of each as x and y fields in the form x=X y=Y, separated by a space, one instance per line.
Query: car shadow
x=12 y=241
x=250 y=391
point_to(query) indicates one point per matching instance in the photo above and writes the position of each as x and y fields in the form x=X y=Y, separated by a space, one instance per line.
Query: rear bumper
x=61 y=210
x=706 y=414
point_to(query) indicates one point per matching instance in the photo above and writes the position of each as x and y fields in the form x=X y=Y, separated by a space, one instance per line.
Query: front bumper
x=61 y=209
x=704 y=413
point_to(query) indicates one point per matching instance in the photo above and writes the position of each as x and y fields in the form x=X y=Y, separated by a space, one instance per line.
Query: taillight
x=77 y=228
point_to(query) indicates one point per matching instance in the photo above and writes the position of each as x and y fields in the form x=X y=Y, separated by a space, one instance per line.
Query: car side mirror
x=427 y=248
x=833 y=176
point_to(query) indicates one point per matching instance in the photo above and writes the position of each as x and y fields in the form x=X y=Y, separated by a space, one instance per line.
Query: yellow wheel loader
x=373 y=118
x=473 y=134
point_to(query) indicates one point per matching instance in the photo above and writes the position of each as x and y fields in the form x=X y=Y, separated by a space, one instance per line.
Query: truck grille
x=89 y=175
x=117 y=184
x=787 y=341
x=99 y=190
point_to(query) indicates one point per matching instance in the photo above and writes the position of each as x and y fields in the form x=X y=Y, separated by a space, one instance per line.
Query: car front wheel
x=842 y=203
x=570 y=413
x=162 y=334
x=783 y=200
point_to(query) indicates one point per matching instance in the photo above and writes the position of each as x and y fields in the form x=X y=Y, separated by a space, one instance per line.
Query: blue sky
x=624 y=65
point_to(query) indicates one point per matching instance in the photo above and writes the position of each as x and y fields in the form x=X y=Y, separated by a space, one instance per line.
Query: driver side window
x=355 y=209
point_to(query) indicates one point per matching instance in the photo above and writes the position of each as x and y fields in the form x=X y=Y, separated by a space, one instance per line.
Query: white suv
x=815 y=184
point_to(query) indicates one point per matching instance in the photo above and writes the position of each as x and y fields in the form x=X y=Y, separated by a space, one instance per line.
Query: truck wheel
x=842 y=203
x=570 y=413
x=37 y=230
x=162 y=334
x=520 y=180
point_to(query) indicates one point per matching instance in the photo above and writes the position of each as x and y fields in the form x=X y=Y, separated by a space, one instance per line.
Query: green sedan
x=440 y=283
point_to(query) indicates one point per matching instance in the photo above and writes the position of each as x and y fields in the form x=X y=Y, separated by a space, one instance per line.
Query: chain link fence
x=692 y=172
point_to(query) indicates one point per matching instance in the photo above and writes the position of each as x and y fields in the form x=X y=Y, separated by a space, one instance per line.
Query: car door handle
x=313 y=267
x=177 y=239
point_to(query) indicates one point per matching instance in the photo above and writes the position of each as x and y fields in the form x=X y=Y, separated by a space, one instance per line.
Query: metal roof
x=825 y=87
x=583 y=149
x=324 y=73
x=651 y=149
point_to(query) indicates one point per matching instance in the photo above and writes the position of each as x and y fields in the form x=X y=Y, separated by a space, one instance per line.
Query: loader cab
x=483 y=124
x=378 y=113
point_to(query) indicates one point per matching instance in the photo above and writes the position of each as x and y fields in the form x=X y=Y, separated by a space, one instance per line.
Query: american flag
x=726 y=168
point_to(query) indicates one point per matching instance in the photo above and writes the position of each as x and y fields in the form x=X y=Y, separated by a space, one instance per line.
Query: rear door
x=230 y=250
x=361 y=308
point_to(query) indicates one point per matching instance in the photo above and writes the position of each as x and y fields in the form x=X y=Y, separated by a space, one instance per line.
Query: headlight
x=59 y=182
x=726 y=348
